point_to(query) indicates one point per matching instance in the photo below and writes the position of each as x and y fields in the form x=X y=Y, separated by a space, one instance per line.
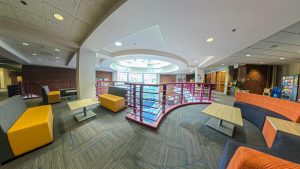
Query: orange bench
x=288 y=109
x=247 y=158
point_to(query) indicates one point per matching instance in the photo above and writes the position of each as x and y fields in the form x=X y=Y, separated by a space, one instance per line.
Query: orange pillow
x=247 y=158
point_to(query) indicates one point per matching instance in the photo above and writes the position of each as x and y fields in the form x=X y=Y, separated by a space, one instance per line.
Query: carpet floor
x=110 y=141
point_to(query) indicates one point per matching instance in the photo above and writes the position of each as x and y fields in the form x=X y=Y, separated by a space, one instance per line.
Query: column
x=199 y=75
x=86 y=74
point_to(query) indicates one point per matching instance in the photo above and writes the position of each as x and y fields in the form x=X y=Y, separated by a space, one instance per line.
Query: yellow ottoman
x=112 y=102
x=32 y=130
x=54 y=97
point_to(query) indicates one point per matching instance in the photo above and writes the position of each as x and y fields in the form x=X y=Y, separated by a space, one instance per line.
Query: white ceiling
x=35 y=24
x=181 y=28
x=284 y=44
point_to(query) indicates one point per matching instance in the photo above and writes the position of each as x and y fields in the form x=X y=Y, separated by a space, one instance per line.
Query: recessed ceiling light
x=195 y=61
x=57 y=50
x=34 y=54
x=118 y=44
x=248 y=55
x=281 y=58
x=58 y=17
x=25 y=44
x=209 y=39
x=57 y=57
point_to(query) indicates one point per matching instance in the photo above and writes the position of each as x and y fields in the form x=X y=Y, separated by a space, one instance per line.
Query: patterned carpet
x=110 y=141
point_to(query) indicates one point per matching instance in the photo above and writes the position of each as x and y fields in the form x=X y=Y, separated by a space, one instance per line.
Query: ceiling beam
x=12 y=54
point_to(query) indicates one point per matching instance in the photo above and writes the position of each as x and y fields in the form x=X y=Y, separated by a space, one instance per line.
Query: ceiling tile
x=56 y=28
x=33 y=6
x=68 y=6
x=6 y=11
x=294 y=28
x=87 y=13
x=284 y=37
x=50 y=10
x=30 y=19
x=79 y=29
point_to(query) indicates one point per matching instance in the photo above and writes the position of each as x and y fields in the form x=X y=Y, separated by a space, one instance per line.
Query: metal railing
x=148 y=104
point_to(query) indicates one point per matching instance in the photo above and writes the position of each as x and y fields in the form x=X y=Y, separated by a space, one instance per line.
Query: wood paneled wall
x=291 y=69
x=102 y=74
x=167 y=78
x=56 y=78
x=255 y=77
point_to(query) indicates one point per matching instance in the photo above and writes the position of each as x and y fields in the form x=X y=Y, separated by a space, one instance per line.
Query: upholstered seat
x=249 y=158
x=112 y=102
x=32 y=130
x=50 y=97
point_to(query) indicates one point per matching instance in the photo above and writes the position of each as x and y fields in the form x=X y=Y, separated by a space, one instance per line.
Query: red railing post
x=164 y=101
x=181 y=93
x=209 y=90
x=134 y=100
x=141 y=102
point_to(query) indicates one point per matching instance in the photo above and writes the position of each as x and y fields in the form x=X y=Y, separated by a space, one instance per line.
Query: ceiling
x=280 y=48
x=34 y=23
x=179 y=29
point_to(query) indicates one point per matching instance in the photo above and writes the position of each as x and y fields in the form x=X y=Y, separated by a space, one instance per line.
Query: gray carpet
x=110 y=141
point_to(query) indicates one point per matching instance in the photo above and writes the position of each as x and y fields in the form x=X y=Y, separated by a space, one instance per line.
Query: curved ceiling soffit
x=149 y=52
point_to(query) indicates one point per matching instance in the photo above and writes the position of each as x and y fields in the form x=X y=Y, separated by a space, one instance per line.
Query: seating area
x=282 y=144
x=23 y=129
x=149 y=84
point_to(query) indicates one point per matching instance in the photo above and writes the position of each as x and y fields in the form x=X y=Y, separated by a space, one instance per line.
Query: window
x=150 y=78
x=137 y=78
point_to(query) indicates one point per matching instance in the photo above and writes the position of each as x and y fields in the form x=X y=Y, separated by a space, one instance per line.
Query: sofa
x=114 y=100
x=286 y=147
x=50 y=97
x=23 y=129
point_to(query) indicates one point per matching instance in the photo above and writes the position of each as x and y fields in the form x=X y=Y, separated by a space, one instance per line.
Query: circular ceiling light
x=56 y=50
x=34 y=54
x=25 y=44
x=248 y=55
x=195 y=61
x=58 y=17
x=118 y=44
x=281 y=58
x=57 y=57
x=209 y=39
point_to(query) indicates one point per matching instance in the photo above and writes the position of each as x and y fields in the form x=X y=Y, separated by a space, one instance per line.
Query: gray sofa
x=10 y=111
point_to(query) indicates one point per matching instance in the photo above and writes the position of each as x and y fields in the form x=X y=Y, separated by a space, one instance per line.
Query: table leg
x=220 y=122
x=84 y=111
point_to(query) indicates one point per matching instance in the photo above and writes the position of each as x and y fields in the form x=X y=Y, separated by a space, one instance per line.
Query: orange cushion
x=289 y=109
x=269 y=133
x=247 y=158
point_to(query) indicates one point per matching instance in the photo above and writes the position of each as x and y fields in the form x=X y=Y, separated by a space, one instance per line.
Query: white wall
x=86 y=74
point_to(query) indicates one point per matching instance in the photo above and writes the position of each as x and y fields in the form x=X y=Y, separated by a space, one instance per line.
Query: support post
x=141 y=102
x=164 y=98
